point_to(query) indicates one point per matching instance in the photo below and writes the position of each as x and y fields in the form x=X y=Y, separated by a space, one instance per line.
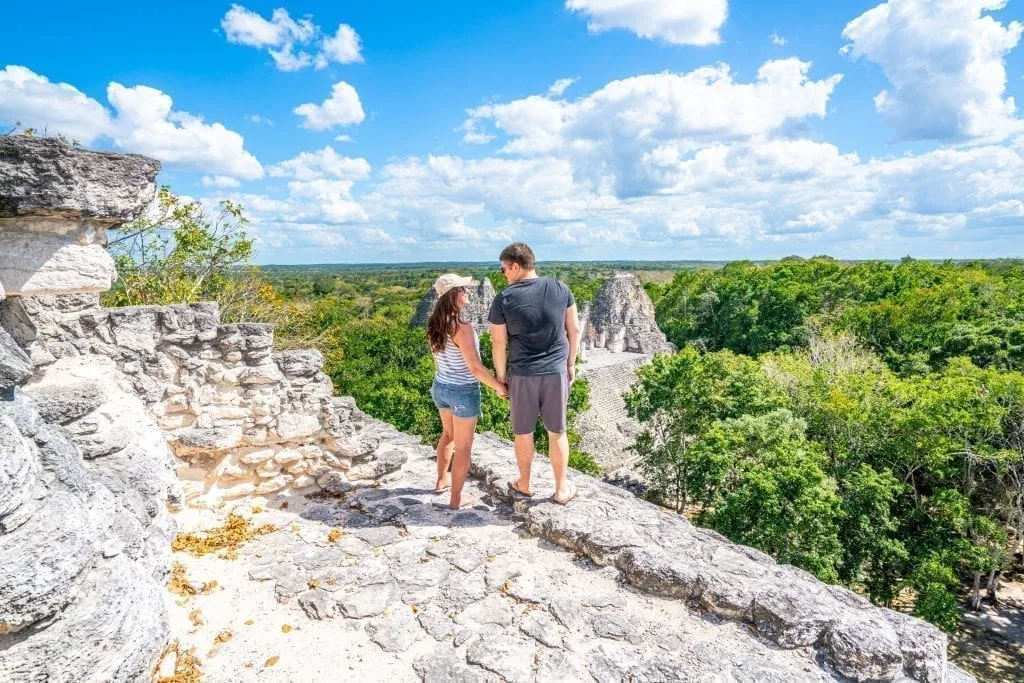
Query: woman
x=456 y=387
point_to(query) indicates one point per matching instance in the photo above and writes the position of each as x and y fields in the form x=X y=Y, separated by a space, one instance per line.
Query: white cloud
x=559 y=87
x=220 y=181
x=257 y=119
x=608 y=132
x=343 y=47
x=635 y=169
x=342 y=108
x=283 y=37
x=945 y=60
x=343 y=138
x=279 y=35
x=246 y=27
x=777 y=39
x=33 y=100
x=680 y=22
x=322 y=163
x=143 y=121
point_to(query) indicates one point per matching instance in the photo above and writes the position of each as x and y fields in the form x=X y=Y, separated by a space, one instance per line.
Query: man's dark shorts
x=543 y=395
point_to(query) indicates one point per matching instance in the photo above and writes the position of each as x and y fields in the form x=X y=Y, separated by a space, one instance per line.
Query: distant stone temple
x=480 y=298
x=621 y=318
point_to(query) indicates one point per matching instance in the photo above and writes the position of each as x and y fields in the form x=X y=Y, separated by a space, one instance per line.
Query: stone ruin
x=621 y=318
x=112 y=418
x=480 y=298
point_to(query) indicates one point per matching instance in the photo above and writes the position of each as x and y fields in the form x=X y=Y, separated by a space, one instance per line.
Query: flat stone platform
x=385 y=583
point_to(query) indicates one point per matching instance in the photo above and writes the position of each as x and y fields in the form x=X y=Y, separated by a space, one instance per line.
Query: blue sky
x=593 y=129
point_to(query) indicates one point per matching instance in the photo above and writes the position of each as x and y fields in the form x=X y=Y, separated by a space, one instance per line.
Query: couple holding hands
x=535 y=334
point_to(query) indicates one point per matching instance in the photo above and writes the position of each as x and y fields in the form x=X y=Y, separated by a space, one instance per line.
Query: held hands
x=502 y=389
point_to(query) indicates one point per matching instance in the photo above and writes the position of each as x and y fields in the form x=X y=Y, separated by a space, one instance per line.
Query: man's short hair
x=519 y=253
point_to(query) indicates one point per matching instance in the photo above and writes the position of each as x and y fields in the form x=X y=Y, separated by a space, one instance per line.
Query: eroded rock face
x=56 y=204
x=84 y=545
x=46 y=179
x=247 y=420
x=481 y=296
x=621 y=318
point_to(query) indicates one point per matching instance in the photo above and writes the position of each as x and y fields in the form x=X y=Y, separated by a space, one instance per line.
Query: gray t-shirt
x=533 y=311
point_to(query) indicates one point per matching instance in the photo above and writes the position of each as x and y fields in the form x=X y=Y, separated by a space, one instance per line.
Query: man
x=536 y=329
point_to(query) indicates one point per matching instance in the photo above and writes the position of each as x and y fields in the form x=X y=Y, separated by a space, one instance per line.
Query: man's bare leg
x=558 y=452
x=524 y=459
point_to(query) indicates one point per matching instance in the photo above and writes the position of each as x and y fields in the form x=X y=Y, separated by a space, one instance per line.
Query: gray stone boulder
x=85 y=546
x=47 y=179
x=57 y=202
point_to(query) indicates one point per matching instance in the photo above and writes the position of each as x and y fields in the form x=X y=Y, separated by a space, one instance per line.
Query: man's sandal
x=572 y=494
x=514 y=485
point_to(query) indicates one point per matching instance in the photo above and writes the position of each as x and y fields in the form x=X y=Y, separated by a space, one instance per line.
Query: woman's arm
x=467 y=344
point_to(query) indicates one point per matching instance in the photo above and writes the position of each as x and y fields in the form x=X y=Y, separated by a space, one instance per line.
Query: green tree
x=762 y=483
x=185 y=255
x=677 y=398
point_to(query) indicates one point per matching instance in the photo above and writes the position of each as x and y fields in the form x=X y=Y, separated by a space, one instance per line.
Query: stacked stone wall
x=245 y=419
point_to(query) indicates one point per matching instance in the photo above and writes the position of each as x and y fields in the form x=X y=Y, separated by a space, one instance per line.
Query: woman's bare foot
x=464 y=502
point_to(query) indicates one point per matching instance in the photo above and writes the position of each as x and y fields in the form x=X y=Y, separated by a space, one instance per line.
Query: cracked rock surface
x=385 y=583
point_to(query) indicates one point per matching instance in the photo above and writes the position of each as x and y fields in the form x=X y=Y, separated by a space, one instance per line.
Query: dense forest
x=864 y=421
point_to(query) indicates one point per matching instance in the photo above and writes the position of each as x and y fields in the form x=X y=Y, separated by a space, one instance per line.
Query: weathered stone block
x=33 y=264
x=48 y=178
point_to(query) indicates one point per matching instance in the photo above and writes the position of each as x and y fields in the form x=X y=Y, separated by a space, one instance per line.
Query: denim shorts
x=462 y=399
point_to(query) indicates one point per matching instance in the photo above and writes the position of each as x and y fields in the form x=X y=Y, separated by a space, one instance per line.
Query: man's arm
x=572 y=330
x=499 y=350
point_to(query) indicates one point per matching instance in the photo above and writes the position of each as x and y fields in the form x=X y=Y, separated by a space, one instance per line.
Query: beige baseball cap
x=450 y=281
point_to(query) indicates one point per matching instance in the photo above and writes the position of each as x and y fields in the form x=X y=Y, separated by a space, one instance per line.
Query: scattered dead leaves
x=286 y=629
x=271 y=661
x=334 y=534
x=187 y=667
x=196 y=617
x=223 y=637
x=313 y=583
x=235 y=532
x=249 y=622
x=284 y=506
x=180 y=585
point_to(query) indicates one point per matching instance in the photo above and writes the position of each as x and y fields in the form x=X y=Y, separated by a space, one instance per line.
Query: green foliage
x=763 y=484
x=882 y=482
x=914 y=313
x=186 y=256
x=678 y=398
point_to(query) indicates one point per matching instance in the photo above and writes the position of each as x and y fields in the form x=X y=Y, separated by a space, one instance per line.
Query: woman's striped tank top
x=450 y=365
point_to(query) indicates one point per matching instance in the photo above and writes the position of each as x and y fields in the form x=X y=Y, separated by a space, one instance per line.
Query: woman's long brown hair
x=443 y=320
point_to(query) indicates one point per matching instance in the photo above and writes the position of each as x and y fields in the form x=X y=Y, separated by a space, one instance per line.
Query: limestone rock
x=15 y=365
x=621 y=318
x=481 y=296
x=48 y=178
x=34 y=264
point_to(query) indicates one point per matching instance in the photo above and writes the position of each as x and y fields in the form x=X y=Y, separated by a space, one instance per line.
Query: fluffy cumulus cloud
x=698 y=163
x=143 y=120
x=680 y=22
x=315 y=209
x=342 y=108
x=945 y=60
x=220 y=181
x=287 y=40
